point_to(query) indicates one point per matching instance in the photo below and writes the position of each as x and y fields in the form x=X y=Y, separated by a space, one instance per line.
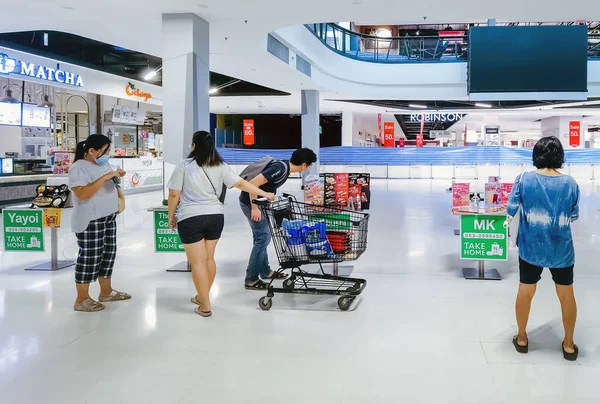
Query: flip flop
x=571 y=357
x=276 y=275
x=259 y=285
x=195 y=300
x=523 y=349
x=202 y=313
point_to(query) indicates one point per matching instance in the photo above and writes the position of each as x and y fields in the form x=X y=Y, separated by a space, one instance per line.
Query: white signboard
x=436 y=134
x=437 y=117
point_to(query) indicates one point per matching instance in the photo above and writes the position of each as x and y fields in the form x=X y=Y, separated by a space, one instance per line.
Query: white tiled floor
x=419 y=334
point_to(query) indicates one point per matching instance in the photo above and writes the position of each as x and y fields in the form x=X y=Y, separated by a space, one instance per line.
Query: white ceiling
x=136 y=24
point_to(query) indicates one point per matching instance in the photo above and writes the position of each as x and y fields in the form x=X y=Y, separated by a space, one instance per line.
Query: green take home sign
x=165 y=239
x=23 y=230
x=483 y=237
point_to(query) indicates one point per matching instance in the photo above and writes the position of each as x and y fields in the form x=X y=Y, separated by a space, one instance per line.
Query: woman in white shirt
x=196 y=210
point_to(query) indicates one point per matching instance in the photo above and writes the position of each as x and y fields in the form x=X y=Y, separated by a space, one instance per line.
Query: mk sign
x=13 y=66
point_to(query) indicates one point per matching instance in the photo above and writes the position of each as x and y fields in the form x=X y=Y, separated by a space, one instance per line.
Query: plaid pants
x=97 y=250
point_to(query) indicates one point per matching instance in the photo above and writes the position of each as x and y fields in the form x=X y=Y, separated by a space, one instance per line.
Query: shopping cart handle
x=260 y=201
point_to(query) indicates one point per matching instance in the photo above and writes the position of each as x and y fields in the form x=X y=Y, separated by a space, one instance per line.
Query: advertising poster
x=314 y=190
x=460 y=196
x=483 y=237
x=52 y=217
x=493 y=196
x=248 y=125
x=388 y=134
x=359 y=191
x=420 y=141
x=506 y=190
x=575 y=133
x=165 y=239
x=23 y=230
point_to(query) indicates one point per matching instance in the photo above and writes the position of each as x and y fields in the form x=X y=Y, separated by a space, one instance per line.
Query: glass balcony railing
x=406 y=49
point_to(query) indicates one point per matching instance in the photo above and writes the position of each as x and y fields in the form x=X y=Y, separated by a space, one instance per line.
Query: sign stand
x=456 y=232
x=54 y=264
x=480 y=273
x=181 y=267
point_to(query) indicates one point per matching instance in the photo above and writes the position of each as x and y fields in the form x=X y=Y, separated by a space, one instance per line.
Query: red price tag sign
x=574 y=133
x=388 y=134
x=248 y=125
x=420 y=140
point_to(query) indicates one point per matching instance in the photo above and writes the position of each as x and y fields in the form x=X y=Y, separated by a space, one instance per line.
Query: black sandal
x=572 y=357
x=276 y=275
x=523 y=349
x=258 y=285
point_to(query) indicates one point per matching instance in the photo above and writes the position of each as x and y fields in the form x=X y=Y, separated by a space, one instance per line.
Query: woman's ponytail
x=80 y=151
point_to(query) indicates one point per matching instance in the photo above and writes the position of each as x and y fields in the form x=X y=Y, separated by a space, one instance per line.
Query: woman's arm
x=174 y=197
x=84 y=193
x=575 y=210
x=253 y=190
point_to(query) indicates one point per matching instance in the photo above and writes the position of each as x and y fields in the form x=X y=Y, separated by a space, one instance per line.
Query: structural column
x=186 y=81
x=347 y=122
x=310 y=124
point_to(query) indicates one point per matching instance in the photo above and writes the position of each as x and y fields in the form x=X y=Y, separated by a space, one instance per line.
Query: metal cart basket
x=306 y=234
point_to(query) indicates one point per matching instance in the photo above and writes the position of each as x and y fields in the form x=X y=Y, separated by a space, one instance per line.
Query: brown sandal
x=195 y=300
x=202 y=313
x=88 y=306
x=115 y=297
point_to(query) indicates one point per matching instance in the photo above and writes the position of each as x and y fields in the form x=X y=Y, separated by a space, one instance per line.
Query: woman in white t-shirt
x=196 y=210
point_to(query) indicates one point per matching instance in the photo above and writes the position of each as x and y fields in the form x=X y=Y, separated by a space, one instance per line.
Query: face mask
x=102 y=160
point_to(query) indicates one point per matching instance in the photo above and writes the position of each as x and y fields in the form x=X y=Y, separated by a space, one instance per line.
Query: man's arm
x=257 y=181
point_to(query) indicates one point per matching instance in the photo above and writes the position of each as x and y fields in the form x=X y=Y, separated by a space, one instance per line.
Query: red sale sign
x=575 y=133
x=388 y=134
x=248 y=125
x=420 y=140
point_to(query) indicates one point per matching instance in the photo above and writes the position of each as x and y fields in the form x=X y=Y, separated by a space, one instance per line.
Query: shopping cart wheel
x=265 y=303
x=345 y=302
x=288 y=284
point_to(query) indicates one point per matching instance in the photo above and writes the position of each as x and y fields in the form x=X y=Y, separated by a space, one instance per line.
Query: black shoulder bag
x=223 y=194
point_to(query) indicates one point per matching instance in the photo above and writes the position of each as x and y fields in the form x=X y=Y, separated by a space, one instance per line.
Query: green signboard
x=165 y=239
x=483 y=237
x=23 y=230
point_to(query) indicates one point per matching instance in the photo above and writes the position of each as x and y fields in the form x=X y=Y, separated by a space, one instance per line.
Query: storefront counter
x=20 y=188
x=144 y=174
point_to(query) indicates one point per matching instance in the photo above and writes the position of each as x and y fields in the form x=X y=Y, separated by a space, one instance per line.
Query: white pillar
x=310 y=124
x=347 y=123
x=186 y=81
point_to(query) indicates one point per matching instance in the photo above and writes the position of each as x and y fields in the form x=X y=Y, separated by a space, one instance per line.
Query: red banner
x=420 y=142
x=248 y=132
x=575 y=133
x=380 y=128
x=388 y=134
x=402 y=142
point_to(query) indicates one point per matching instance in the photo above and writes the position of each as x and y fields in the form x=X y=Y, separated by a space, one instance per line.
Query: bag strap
x=211 y=183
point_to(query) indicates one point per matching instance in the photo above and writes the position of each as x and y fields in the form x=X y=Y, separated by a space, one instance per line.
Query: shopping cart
x=306 y=234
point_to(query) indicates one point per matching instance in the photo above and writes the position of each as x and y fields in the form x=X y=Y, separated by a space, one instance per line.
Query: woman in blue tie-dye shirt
x=548 y=203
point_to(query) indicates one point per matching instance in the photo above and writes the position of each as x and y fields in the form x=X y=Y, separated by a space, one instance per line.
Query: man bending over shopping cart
x=268 y=175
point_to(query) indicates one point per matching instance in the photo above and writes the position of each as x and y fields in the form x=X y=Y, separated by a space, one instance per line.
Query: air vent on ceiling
x=303 y=66
x=278 y=49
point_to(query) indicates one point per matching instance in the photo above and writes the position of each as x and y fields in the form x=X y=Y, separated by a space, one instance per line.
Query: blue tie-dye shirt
x=548 y=206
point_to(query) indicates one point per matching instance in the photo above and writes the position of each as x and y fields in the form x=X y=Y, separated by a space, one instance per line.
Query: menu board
x=6 y=165
x=34 y=116
x=460 y=195
x=10 y=114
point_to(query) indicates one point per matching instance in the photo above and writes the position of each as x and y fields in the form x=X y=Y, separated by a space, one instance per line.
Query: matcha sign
x=483 y=237
x=23 y=230
x=165 y=239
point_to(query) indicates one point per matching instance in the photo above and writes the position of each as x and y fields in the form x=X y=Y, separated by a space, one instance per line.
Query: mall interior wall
x=276 y=131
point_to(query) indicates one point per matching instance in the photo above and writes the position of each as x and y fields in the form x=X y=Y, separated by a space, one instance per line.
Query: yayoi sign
x=23 y=230
x=439 y=117
x=10 y=65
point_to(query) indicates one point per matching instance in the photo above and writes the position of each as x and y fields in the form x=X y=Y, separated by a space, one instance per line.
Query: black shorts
x=530 y=274
x=198 y=228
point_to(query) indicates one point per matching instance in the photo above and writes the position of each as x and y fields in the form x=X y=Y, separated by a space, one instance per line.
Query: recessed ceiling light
x=417 y=106
x=202 y=5
x=252 y=70
x=68 y=8
x=481 y=105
